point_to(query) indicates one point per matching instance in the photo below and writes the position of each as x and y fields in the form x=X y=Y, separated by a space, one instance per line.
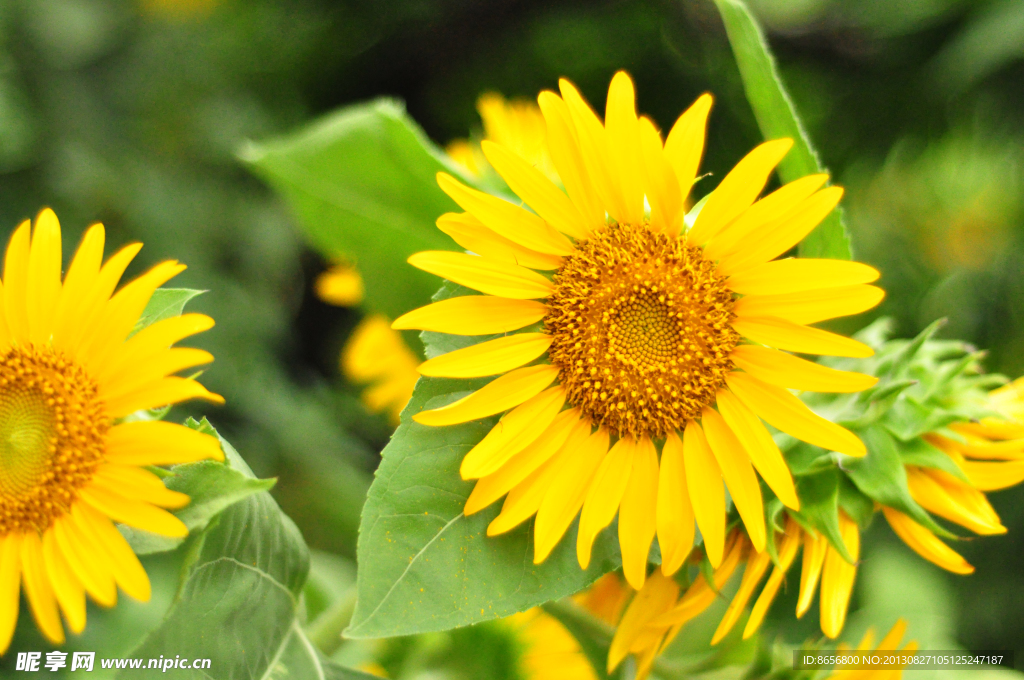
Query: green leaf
x=921 y=453
x=165 y=303
x=425 y=566
x=881 y=476
x=819 y=507
x=776 y=116
x=239 y=598
x=361 y=183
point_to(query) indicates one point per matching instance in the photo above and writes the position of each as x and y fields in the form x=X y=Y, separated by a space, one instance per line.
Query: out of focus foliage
x=132 y=112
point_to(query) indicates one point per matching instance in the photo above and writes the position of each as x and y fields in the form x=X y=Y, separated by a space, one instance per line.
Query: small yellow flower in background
x=374 y=353
x=69 y=467
x=515 y=124
x=377 y=354
x=650 y=333
x=341 y=285
x=890 y=643
x=550 y=651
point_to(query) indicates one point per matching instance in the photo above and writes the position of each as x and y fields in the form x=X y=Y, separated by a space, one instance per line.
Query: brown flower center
x=641 y=330
x=52 y=432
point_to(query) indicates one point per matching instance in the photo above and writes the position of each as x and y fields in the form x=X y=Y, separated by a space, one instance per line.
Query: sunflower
x=374 y=353
x=639 y=334
x=71 y=463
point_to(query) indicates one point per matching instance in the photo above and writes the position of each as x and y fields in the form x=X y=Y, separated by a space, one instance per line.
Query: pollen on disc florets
x=52 y=432
x=640 y=326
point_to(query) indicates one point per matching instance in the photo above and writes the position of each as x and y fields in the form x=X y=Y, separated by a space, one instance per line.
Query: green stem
x=325 y=631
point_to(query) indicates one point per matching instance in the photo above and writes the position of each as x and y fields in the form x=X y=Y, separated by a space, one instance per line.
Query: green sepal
x=880 y=475
x=819 y=508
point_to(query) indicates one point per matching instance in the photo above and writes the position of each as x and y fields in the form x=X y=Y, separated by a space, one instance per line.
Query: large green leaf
x=425 y=566
x=239 y=599
x=362 y=184
x=777 y=117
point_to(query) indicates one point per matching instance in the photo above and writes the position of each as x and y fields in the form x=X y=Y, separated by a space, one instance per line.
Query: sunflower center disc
x=640 y=326
x=52 y=429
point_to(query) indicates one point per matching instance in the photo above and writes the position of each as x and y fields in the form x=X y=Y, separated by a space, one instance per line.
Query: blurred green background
x=131 y=113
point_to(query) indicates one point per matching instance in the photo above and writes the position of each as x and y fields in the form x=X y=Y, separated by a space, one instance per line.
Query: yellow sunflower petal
x=122 y=313
x=79 y=280
x=604 y=496
x=67 y=589
x=495 y=485
x=787 y=553
x=471 y=234
x=168 y=362
x=837 y=578
x=786 y=335
x=685 y=143
x=675 y=514
x=785 y=412
x=659 y=594
x=623 y=135
x=942 y=494
x=757 y=565
x=538 y=191
x=10 y=587
x=987 y=476
x=704 y=483
x=991 y=428
x=134 y=513
x=593 y=145
x=637 y=515
x=660 y=179
x=699 y=596
x=515 y=431
x=91 y=569
x=811 y=306
x=508 y=220
x=782 y=234
x=785 y=370
x=149 y=343
x=500 y=394
x=764 y=212
x=16 y=283
x=38 y=590
x=738 y=474
x=815 y=547
x=44 y=267
x=794 y=275
x=565 y=154
x=488 y=358
x=162 y=392
x=487 y=276
x=124 y=565
x=138 y=483
x=566 y=494
x=68 y=333
x=525 y=498
x=763 y=451
x=473 y=315
x=159 y=443
x=925 y=543
x=738 y=190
